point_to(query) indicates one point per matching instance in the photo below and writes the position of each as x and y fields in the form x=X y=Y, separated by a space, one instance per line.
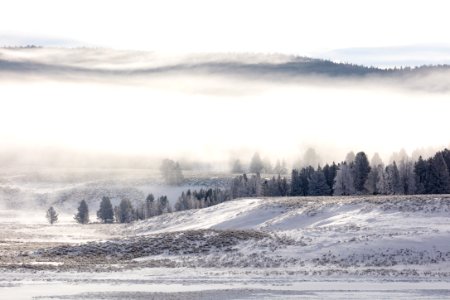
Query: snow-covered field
x=286 y=248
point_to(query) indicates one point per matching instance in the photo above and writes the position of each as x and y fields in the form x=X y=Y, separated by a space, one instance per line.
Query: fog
x=104 y=108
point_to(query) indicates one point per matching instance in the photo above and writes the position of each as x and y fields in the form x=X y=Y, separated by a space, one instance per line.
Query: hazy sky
x=213 y=117
x=315 y=27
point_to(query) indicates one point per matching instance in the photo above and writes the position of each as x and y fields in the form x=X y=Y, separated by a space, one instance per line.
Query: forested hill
x=115 y=62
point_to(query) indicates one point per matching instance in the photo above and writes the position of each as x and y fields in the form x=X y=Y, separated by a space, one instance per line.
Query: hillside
x=387 y=236
x=140 y=67
x=344 y=247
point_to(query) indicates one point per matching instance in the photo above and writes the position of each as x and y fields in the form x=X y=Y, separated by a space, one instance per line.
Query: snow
x=340 y=247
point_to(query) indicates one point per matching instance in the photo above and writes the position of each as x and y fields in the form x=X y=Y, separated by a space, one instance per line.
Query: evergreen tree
x=125 y=212
x=305 y=177
x=372 y=180
x=171 y=172
x=256 y=164
x=51 y=215
x=407 y=176
x=150 y=206
x=421 y=173
x=318 y=184
x=350 y=158
x=283 y=187
x=446 y=156
x=382 y=184
x=311 y=158
x=376 y=160
x=343 y=184
x=295 y=183
x=267 y=166
x=237 y=167
x=330 y=174
x=361 y=171
x=163 y=205
x=394 y=186
x=439 y=178
x=82 y=215
x=105 y=212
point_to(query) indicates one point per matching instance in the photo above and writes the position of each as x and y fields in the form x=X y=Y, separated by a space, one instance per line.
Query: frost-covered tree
x=267 y=165
x=237 y=167
x=394 y=186
x=280 y=168
x=373 y=178
x=125 y=212
x=382 y=185
x=106 y=212
x=51 y=215
x=361 y=171
x=350 y=158
x=256 y=164
x=163 y=205
x=318 y=184
x=343 y=184
x=407 y=176
x=171 y=172
x=446 y=156
x=150 y=209
x=82 y=215
x=376 y=160
x=311 y=158
x=330 y=173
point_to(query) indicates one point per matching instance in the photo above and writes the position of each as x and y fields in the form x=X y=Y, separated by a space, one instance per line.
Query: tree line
x=353 y=176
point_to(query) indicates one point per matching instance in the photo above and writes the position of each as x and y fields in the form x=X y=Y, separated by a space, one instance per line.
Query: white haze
x=209 y=118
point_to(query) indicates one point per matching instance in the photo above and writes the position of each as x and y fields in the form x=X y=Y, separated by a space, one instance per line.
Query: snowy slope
x=387 y=233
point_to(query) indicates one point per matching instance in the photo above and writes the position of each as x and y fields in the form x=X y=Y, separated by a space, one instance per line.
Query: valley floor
x=325 y=247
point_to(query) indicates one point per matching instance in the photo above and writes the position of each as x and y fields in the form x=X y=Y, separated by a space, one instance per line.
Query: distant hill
x=106 y=64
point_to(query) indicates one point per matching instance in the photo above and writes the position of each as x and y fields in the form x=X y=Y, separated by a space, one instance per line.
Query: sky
x=217 y=118
x=319 y=28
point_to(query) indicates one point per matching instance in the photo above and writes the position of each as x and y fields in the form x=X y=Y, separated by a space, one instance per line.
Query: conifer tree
x=51 y=215
x=439 y=178
x=318 y=184
x=361 y=171
x=105 y=212
x=82 y=215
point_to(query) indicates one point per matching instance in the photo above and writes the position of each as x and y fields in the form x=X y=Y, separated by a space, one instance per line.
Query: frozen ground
x=341 y=248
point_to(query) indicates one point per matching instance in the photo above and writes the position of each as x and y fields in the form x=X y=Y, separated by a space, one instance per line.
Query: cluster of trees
x=201 y=198
x=171 y=172
x=354 y=176
x=258 y=165
x=125 y=212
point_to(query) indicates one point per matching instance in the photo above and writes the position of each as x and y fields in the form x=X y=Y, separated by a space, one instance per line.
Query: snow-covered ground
x=323 y=247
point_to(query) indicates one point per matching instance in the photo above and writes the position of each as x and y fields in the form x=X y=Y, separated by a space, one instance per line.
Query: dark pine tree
x=82 y=215
x=52 y=216
x=361 y=171
x=439 y=178
x=330 y=172
x=106 y=213
x=421 y=168
x=305 y=176
x=318 y=184
x=295 y=183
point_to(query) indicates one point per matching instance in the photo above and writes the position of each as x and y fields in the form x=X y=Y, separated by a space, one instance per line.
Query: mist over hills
x=108 y=64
